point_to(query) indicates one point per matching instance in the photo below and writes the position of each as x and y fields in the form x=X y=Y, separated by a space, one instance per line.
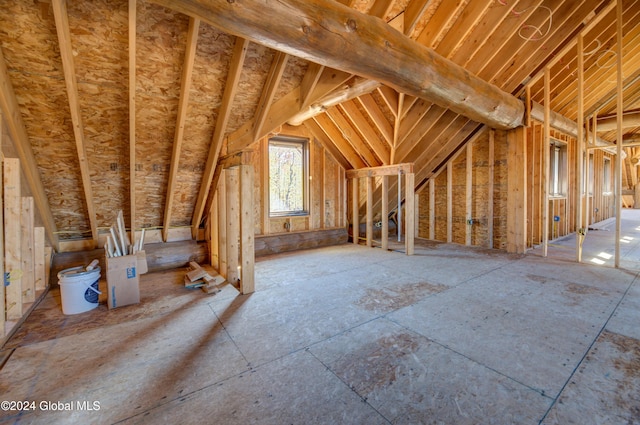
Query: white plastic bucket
x=79 y=289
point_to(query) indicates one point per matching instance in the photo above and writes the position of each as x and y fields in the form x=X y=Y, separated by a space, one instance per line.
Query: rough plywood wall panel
x=459 y=198
x=37 y=77
x=99 y=38
x=315 y=185
x=331 y=200
x=480 y=193
x=256 y=161
x=500 y=191
x=441 y=206
x=161 y=38
x=423 y=210
x=210 y=69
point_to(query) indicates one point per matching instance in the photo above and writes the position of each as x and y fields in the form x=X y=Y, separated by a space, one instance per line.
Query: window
x=558 y=169
x=606 y=180
x=288 y=176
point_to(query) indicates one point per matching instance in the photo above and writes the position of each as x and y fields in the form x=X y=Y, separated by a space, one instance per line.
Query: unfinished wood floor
x=347 y=335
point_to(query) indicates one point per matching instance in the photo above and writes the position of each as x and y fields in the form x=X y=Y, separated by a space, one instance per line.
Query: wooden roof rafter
x=233 y=77
x=64 y=41
x=359 y=122
x=351 y=136
x=266 y=99
x=187 y=70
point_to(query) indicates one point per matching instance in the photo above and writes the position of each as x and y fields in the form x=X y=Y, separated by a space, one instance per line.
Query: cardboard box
x=123 y=279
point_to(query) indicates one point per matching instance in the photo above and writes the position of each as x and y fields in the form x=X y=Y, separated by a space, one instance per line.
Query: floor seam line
x=587 y=351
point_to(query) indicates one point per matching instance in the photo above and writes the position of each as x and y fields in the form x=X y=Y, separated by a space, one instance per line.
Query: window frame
x=558 y=169
x=284 y=141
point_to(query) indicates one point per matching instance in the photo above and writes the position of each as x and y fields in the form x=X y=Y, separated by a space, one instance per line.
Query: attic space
x=320 y=211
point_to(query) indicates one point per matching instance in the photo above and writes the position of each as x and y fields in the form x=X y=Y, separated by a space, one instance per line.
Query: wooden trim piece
x=517 y=191
x=469 y=194
x=410 y=211
x=384 y=215
x=12 y=238
x=222 y=223
x=132 y=113
x=361 y=39
x=369 y=181
x=385 y=170
x=432 y=208
x=492 y=166
x=187 y=70
x=247 y=231
x=579 y=157
x=619 y=111
x=214 y=239
x=15 y=125
x=355 y=220
x=545 y=162
x=235 y=69
x=3 y=312
x=66 y=54
x=450 y=201
x=233 y=224
x=27 y=250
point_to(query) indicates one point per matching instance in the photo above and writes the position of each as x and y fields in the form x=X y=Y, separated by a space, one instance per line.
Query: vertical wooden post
x=369 y=181
x=264 y=177
x=545 y=161
x=132 y=113
x=619 y=111
x=399 y=214
x=517 y=191
x=323 y=188
x=27 y=251
x=432 y=207
x=39 y=261
x=247 y=230
x=385 y=212
x=214 y=243
x=450 y=201
x=222 y=224
x=13 y=238
x=492 y=136
x=469 y=194
x=3 y=313
x=580 y=152
x=233 y=223
x=355 y=220
x=409 y=208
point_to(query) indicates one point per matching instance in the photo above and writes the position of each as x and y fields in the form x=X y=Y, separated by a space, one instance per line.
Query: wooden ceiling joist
x=18 y=132
x=309 y=82
x=233 y=77
x=187 y=70
x=345 y=148
x=377 y=117
x=355 y=47
x=64 y=41
x=358 y=120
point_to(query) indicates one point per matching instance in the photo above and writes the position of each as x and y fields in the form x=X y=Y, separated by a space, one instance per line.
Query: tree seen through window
x=287 y=176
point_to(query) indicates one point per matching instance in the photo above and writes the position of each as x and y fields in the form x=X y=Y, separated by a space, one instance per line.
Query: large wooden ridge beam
x=331 y=34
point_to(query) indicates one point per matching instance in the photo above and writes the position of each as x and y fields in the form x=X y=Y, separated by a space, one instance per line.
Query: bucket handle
x=92 y=288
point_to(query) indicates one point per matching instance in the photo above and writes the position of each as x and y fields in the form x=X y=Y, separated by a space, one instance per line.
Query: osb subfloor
x=347 y=335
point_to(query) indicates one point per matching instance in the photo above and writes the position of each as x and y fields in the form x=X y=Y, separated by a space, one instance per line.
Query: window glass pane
x=287 y=176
